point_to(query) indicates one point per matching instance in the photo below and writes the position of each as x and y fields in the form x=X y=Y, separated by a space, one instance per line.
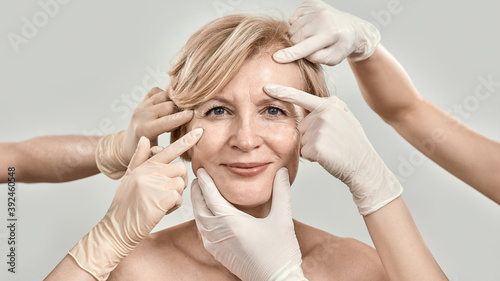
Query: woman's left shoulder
x=329 y=257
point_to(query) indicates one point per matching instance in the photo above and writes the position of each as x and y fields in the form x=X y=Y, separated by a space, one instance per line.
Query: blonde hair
x=214 y=54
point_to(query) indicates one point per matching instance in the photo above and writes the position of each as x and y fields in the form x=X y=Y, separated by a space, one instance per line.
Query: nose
x=246 y=135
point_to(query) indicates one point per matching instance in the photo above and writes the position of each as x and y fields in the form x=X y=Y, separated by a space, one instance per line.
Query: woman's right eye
x=216 y=111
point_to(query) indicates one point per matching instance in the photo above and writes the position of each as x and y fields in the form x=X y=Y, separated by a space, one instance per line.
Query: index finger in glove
x=142 y=153
x=180 y=146
x=300 y=50
x=281 y=201
x=295 y=96
x=214 y=200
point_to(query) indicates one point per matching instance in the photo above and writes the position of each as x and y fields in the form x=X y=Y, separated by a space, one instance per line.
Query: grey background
x=74 y=71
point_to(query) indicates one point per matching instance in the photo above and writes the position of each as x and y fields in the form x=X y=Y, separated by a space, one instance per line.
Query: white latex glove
x=333 y=137
x=152 y=117
x=150 y=189
x=251 y=248
x=323 y=34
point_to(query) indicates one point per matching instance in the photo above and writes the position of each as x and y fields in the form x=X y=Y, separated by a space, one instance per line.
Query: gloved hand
x=152 y=117
x=323 y=34
x=150 y=189
x=251 y=248
x=333 y=137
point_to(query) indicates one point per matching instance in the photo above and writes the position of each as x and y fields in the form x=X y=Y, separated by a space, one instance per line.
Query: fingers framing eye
x=170 y=122
x=177 y=148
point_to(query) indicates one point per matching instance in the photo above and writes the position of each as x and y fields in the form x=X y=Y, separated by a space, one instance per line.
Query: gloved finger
x=141 y=154
x=155 y=150
x=180 y=146
x=305 y=18
x=157 y=98
x=200 y=208
x=175 y=170
x=152 y=92
x=167 y=123
x=172 y=203
x=332 y=55
x=305 y=100
x=164 y=108
x=170 y=122
x=307 y=130
x=304 y=9
x=300 y=50
x=215 y=202
x=281 y=202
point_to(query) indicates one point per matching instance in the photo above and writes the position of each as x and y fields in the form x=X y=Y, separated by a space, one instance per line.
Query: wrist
x=370 y=38
x=294 y=273
x=375 y=188
x=108 y=156
x=100 y=250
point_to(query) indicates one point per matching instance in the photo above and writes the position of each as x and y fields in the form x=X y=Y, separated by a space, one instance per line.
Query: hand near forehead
x=151 y=188
x=333 y=137
x=251 y=248
x=323 y=34
x=154 y=116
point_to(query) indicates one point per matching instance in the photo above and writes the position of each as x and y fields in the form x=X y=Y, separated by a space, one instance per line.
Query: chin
x=246 y=193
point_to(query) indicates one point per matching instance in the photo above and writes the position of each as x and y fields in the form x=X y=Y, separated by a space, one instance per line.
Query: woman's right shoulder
x=146 y=260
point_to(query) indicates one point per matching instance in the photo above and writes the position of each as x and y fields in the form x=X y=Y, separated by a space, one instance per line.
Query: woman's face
x=248 y=136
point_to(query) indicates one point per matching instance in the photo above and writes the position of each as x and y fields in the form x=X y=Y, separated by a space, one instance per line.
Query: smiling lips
x=247 y=169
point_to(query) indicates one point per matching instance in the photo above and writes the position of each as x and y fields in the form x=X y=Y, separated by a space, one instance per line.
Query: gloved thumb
x=214 y=200
x=200 y=208
x=281 y=202
x=141 y=154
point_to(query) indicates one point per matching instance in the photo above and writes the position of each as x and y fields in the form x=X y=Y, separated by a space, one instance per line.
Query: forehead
x=259 y=71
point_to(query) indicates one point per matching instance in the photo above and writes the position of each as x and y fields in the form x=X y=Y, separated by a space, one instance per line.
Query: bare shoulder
x=151 y=255
x=329 y=257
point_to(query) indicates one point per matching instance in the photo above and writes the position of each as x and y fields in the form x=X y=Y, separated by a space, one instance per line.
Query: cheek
x=284 y=140
x=208 y=146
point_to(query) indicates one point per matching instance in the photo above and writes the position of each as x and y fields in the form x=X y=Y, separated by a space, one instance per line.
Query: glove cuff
x=293 y=273
x=374 y=187
x=370 y=39
x=98 y=253
x=108 y=158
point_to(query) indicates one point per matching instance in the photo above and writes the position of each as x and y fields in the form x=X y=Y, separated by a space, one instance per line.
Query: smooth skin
x=254 y=131
x=71 y=157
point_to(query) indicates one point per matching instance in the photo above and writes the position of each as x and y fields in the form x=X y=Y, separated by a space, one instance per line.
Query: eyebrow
x=261 y=102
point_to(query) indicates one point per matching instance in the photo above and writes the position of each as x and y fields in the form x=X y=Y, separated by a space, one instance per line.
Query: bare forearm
x=402 y=250
x=50 y=158
x=385 y=85
x=466 y=154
